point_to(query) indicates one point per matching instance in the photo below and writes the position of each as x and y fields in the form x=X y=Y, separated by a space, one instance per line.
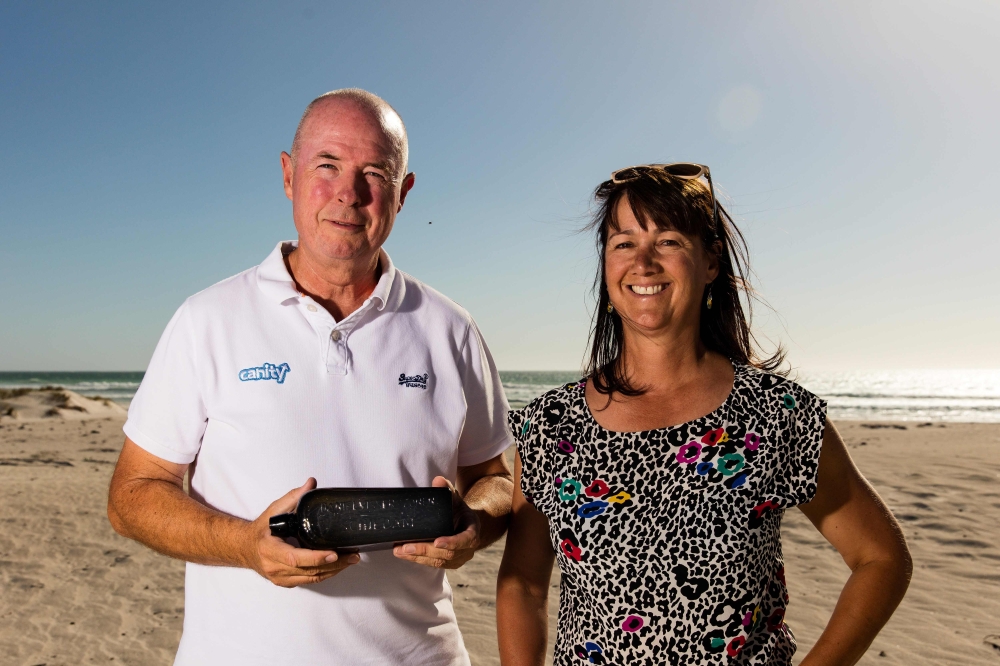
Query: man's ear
x=286 y=173
x=405 y=188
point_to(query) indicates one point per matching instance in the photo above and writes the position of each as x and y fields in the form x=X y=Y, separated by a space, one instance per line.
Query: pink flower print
x=632 y=623
x=689 y=453
x=752 y=441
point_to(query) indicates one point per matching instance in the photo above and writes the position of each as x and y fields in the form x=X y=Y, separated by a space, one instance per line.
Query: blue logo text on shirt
x=266 y=371
x=414 y=381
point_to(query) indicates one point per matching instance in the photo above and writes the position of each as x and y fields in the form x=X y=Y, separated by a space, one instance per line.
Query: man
x=324 y=362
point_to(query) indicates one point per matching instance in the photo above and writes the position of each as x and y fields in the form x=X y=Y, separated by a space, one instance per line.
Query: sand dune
x=23 y=405
x=73 y=592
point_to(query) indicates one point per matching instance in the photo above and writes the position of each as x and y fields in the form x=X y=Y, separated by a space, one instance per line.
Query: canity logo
x=266 y=371
x=414 y=381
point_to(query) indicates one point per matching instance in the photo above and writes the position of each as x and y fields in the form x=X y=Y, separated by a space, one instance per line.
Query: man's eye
x=376 y=174
x=327 y=166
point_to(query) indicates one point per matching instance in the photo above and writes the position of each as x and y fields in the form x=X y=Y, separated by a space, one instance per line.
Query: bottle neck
x=284 y=525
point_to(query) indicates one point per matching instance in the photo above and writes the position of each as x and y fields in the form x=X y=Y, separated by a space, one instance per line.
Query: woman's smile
x=647 y=289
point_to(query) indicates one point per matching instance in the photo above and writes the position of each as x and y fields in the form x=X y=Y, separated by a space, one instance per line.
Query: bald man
x=325 y=365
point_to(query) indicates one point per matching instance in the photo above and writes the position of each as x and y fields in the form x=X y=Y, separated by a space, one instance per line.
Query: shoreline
x=72 y=591
x=906 y=396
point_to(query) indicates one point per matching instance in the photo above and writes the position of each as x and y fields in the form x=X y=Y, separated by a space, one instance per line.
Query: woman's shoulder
x=777 y=399
x=550 y=407
x=753 y=378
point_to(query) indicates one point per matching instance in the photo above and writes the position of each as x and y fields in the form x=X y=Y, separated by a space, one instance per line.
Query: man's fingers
x=282 y=569
x=441 y=482
x=296 y=580
x=437 y=558
x=277 y=550
x=290 y=500
x=416 y=551
x=301 y=558
x=435 y=562
x=460 y=541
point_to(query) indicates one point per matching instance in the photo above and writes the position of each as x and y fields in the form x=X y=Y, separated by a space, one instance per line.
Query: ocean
x=900 y=395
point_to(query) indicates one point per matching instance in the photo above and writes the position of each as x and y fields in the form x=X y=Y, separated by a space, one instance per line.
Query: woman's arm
x=523 y=583
x=850 y=514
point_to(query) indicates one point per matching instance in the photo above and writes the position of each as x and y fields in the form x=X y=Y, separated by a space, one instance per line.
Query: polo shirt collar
x=275 y=281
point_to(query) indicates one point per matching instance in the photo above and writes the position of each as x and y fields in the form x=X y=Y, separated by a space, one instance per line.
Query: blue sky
x=857 y=144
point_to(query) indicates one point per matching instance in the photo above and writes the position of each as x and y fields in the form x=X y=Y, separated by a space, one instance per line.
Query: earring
x=708 y=301
x=611 y=308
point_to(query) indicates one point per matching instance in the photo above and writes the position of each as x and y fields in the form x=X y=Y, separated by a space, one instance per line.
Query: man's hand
x=283 y=564
x=447 y=552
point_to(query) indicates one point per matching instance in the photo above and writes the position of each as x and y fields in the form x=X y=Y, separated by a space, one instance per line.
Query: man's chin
x=336 y=250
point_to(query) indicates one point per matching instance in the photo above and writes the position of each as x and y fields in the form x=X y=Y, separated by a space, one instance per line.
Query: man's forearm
x=163 y=517
x=490 y=498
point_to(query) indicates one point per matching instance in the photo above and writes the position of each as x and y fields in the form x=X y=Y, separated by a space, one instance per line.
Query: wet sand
x=73 y=592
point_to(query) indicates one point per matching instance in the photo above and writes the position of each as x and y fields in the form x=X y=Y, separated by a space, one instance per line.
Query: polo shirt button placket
x=337 y=358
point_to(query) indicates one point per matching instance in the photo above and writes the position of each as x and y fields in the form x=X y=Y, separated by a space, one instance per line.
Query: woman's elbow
x=895 y=563
x=904 y=563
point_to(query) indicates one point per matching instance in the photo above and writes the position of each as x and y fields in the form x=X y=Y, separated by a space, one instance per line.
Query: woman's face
x=656 y=279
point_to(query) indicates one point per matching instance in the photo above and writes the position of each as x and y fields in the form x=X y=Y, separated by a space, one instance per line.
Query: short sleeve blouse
x=668 y=540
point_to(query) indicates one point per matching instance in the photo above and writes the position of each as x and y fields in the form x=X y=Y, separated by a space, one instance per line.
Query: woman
x=659 y=481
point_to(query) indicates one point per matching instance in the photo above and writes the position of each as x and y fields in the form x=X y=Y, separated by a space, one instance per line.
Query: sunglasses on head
x=682 y=170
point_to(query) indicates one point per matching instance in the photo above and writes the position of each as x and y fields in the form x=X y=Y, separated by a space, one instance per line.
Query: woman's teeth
x=647 y=291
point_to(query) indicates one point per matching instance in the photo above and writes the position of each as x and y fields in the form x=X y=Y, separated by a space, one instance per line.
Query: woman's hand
x=850 y=514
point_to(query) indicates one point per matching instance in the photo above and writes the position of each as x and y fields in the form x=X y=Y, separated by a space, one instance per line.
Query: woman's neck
x=667 y=356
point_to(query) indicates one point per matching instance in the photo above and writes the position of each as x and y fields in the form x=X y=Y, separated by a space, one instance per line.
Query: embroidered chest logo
x=265 y=372
x=414 y=381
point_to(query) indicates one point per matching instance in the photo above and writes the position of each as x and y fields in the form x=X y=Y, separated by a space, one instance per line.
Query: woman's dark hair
x=683 y=205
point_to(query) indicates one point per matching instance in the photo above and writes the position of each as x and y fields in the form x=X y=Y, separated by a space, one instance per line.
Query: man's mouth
x=647 y=290
x=350 y=226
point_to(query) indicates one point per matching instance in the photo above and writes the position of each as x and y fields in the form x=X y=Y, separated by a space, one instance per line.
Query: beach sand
x=73 y=592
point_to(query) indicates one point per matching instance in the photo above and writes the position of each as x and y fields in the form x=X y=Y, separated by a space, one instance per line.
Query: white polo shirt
x=260 y=388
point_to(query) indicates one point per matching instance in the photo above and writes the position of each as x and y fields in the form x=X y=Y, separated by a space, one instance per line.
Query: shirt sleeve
x=485 y=433
x=535 y=467
x=797 y=465
x=167 y=416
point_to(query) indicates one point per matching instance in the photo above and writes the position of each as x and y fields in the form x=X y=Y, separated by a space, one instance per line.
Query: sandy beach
x=73 y=592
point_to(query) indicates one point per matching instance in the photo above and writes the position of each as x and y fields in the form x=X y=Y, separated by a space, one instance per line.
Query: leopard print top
x=668 y=540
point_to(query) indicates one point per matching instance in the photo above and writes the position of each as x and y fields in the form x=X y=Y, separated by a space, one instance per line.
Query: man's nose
x=351 y=189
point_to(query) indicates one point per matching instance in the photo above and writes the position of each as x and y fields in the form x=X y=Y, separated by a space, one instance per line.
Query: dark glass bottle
x=366 y=518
